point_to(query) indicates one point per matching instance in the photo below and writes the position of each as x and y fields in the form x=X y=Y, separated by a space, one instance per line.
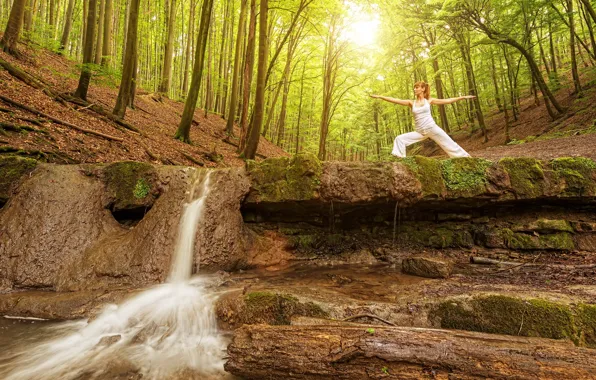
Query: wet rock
x=544 y=226
x=561 y=241
x=427 y=267
x=109 y=340
x=130 y=185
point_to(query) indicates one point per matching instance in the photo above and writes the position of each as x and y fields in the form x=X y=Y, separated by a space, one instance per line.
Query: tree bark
x=252 y=142
x=99 y=36
x=574 y=71
x=183 y=132
x=130 y=60
x=166 y=73
x=106 y=50
x=12 y=32
x=85 y=78
x=191 y=32
x=248 y=69
x=372 y=352
x=236 y=72
x=67 y=25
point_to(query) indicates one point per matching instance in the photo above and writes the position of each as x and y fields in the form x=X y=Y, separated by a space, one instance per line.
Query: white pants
x=434 y=133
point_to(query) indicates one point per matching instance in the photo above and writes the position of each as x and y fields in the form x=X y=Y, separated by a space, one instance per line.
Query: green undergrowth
x=131 y=184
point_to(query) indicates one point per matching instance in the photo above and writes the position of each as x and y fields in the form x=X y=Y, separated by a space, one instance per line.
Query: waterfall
x=159 y=333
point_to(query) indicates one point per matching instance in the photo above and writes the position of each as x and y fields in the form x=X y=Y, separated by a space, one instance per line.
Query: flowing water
x=168 y=331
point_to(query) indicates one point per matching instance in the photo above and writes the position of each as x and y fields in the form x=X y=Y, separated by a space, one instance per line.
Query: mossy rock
x=561 y=241
x=429 y=172
x=465 y=176
x=497 y=314
x=131 y=185
x=12 y=168
x=526 y=176
x=320 y=242
x=587 y=321
x=286 y=179
x=578 y=173
x=545 y=226
x=267 y=307
x=441 y=237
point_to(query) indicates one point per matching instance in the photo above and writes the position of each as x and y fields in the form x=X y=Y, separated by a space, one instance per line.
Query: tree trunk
x=252 y=142
x=330 y=66
x=130 y=61
x=495 y=82
x=98 y=43
x=190 y=34
x=106 y=51
x=28 y=21
x=248 y=69
x=590 y=9
x=373 y=352
x=83 y=87
x=183 y=132
x=236 y=72
x=67 y=25
x=166 y=73
x=574 y=71
x=12 y=32
x=220 y=66
x=299 y=117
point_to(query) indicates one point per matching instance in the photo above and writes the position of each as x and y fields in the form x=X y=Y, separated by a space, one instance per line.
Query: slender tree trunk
x=67 y=25
x=83 y=87
x=183 y=132
x=166 y=73
x=590 y=9
x=191 y=32
x=99 y=35
x=235 y=75
x=12 y=32
x=252 y=142
x=28 y=21
x=495 y=82
x=130 y=61
x=220 y=67
x=106 y=51
x=248 y=71
x=299 y=118
x=574 y=71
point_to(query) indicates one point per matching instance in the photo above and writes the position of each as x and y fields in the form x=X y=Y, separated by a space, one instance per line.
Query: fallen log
x=370 y=352
x=59 y=121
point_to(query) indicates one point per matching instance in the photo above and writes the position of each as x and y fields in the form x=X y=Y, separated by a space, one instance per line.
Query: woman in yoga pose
x=425 y=126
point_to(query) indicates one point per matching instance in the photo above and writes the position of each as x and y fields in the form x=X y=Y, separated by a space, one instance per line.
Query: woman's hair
x=426 y=88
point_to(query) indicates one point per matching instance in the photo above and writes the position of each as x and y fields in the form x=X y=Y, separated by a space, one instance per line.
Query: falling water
x=158 y=334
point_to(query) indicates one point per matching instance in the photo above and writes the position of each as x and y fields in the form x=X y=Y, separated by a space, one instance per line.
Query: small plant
x=385 y=370
x=370 y=330
x=141 y=189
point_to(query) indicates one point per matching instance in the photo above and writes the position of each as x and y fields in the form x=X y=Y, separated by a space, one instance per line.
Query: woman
x=425 y=126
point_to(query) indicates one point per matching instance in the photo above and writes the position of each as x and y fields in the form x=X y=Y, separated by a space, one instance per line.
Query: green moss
x=526 y=176
x=546 y=226
x=441 y=237
x=561 y=241
x=579 y=174
x=276 y=309
x=286 y=179
x=465 y=176
x=587 y=320
x=498 y=314
x=12 y=168
x=131 y=184
x=429 y=173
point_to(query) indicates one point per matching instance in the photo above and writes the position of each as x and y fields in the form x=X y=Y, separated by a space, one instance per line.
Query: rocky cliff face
x=69 y=228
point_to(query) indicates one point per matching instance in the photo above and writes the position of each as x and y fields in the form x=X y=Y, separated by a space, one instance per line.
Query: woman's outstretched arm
x=393 y=100
x=450 y=100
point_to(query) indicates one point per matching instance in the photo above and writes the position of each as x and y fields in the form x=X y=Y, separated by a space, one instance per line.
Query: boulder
x=427 y=267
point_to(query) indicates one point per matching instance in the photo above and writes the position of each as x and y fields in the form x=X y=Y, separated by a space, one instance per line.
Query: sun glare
x=361 y=27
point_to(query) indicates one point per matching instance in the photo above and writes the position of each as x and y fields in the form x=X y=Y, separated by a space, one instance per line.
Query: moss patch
x=429 y=173
x=587 y=321
x=578 y=173
x=498 y=314
x=545 y=226
x=441 y=237
x=561 y=241
x=526 y=176
x=286 y=179
x=465 y=176
x=131 y=184
x=11 y=170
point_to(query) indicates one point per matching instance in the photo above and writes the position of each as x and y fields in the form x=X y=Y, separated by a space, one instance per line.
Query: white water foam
x=157 y=334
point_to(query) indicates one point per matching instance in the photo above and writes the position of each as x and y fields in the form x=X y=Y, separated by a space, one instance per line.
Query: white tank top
x=423 y=118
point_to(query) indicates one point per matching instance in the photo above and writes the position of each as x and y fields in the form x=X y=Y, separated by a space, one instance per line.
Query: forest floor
x=157 y=119
x=534 y=134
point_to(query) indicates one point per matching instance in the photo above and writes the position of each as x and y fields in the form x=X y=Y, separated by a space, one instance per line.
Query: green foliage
x=131 y=184
x=142 y=188
x=370 y=330
x=526 y=176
